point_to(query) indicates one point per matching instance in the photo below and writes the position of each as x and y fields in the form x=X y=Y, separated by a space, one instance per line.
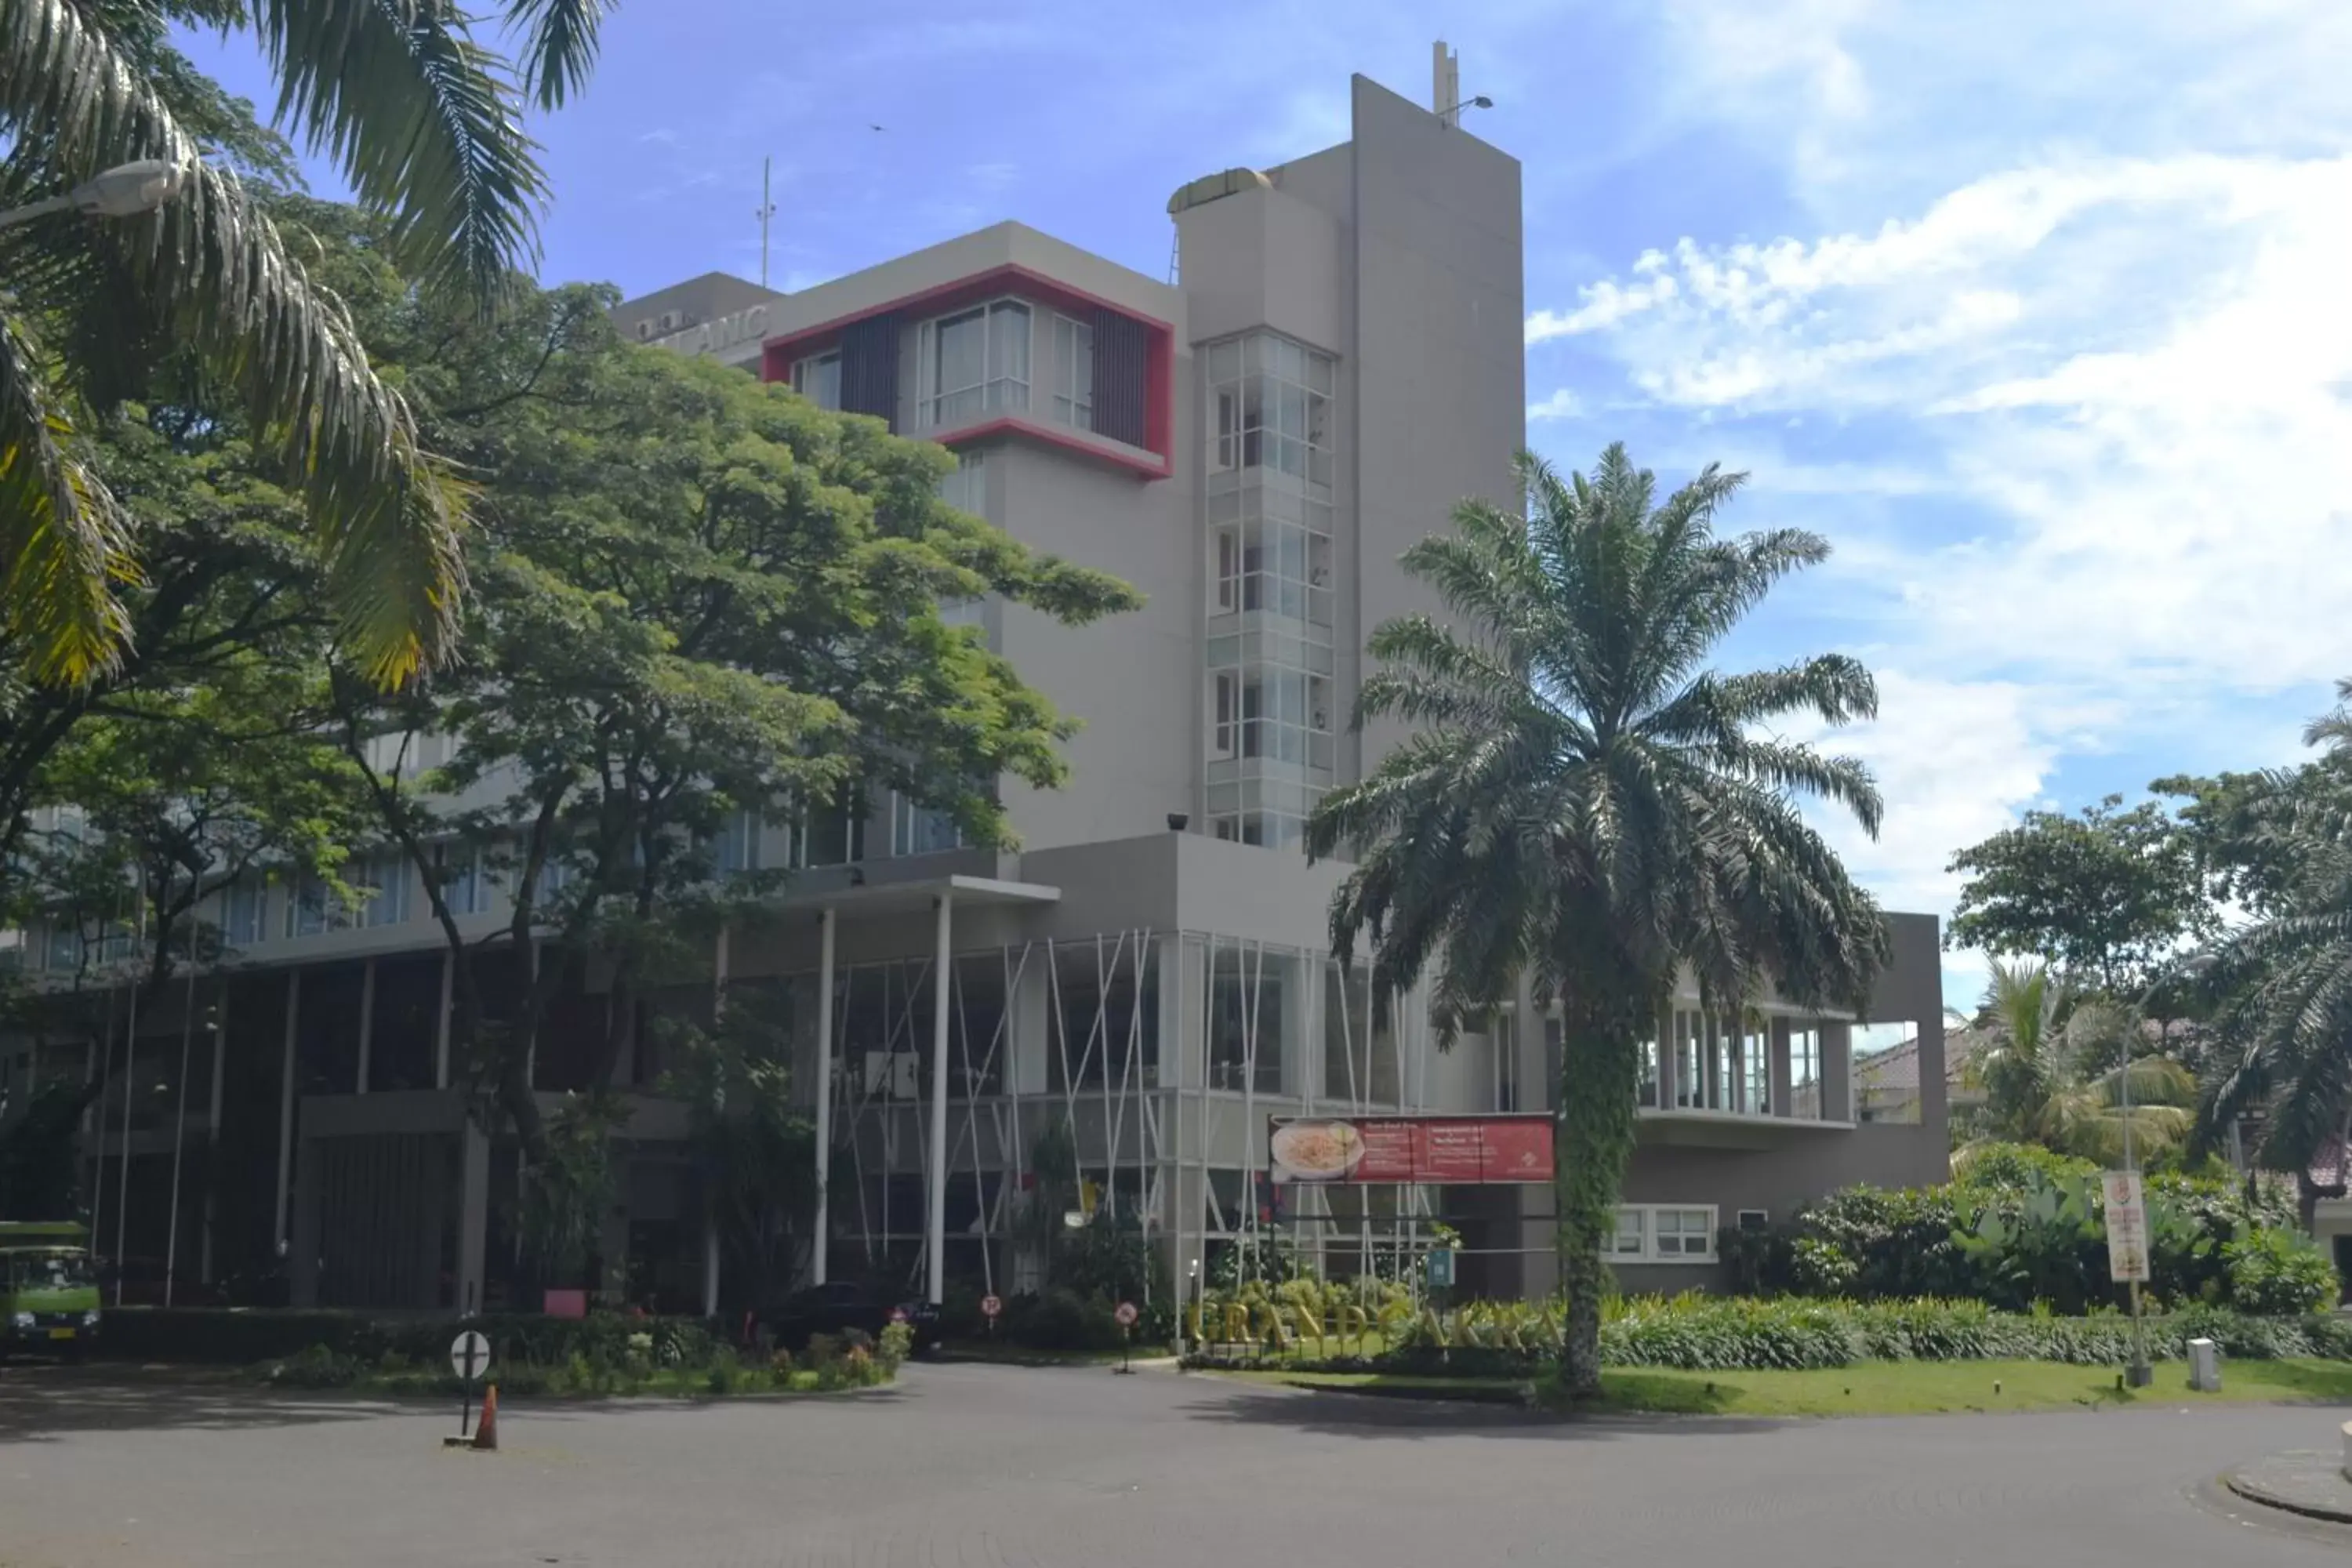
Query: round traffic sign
x=1127 y=1314
x=989 y=1306
x=898 y=1314
x=469 y=1355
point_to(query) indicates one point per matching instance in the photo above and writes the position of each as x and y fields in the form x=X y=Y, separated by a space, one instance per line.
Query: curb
x=2308 y=1505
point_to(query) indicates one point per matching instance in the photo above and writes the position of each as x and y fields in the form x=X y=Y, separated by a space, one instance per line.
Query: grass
x=1874 y=1388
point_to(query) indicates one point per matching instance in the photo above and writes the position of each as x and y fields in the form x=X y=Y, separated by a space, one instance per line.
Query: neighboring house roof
x=1894 y=1071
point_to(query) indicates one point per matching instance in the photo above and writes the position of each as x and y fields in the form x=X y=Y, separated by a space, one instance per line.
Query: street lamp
x=126 y=189
x=2141 y=1373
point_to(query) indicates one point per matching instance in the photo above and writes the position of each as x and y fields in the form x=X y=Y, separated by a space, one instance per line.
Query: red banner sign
x=1454 y=1150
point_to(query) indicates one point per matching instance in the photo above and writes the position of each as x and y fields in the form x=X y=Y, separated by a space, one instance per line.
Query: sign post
x=469 y=1358
x=989 y=1306
x=1127 y=1314
x=2128 y=1257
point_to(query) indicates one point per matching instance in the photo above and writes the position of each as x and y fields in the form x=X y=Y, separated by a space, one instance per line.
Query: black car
x=837 y=1307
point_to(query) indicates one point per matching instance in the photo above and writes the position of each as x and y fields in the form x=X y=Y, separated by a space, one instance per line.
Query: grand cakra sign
x=719 y=333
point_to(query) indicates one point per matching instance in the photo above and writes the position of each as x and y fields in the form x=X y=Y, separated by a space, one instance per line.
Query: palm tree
x=1586 y=803
x=2287 y=975
x=422 y=123
x=2042 y=1056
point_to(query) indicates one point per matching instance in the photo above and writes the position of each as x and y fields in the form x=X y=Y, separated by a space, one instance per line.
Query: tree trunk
x=1600 y=1076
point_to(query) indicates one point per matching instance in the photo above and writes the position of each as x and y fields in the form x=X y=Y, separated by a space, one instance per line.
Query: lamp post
x=2141 y=1373
x=127 y=190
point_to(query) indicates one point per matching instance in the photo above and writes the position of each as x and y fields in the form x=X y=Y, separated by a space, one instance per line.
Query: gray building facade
x=1338 y=361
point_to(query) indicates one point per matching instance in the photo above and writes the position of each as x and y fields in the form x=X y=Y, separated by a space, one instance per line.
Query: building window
x=966 y=490
x=1663 y=1233
x=1756 y=1067
x=920 y=830
x=1805 y=1070
x=818 y=379
x=1645 y=1090
x=1270 y=409
x=1690 y=1062
x=65 y=946
x=311 y=910
x=738 y=849
x=1073 y=373
x=1246 y=1018
x=463 y=887
x=244 y=911
x=383 y=889
x=833 y=833
x=975 y=363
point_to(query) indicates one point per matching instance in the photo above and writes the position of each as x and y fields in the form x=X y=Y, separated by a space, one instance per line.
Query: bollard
x=2204 y=1367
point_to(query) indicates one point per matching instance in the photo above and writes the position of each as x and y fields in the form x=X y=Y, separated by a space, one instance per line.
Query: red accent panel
x=1160 y=392
x=1052 y=435
x=777 y=354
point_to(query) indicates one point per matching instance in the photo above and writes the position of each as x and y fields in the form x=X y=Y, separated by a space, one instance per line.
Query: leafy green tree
x=2052 y=1064
x=756 y=1146
x=2286 y=975
x=1587 y=802
x=2107 y=893
x=697 y=597
x=420 y=119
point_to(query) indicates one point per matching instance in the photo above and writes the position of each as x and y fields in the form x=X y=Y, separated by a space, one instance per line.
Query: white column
x=935 y=1217
x=710 y=1207
x=367 y=1022
x=823 y=1225
x=122 y=1168
x=212 y=1133
x=179 y=1133
x=286 y=1105
x=441 y=1024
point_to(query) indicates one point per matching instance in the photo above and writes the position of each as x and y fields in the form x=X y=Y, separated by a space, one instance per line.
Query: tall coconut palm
x=1586 y=802
x=2054 y=1066
x=2287 y=975
x=420 y=119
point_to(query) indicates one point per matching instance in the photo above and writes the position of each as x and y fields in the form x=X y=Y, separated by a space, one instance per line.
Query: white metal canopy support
x=286 y=1104
x=823 y=1225
x=367 y=1025
x=935 y=1217
x=441 y=1024
x=710 y=1209
x=212 y=1133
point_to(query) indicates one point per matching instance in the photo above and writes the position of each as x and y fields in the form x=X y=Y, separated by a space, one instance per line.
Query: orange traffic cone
x=486 y=1430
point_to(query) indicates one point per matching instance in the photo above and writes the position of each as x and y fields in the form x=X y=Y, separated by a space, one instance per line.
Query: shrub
x=1061 y=1319
x=898 y=1342
x=242 y=1336
x=2277 y=1271
x=316 y=1366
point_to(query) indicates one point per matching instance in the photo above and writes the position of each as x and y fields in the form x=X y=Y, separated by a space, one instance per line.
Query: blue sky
x=2038 y=311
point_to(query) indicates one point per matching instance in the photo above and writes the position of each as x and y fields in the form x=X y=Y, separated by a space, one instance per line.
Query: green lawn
x=1877 y=1388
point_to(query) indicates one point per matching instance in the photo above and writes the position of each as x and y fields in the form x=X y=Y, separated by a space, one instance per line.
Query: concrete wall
x=1438 y=381
x=1134 y=680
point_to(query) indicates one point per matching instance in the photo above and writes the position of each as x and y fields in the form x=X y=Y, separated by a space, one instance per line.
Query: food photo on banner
x=1453 y=1150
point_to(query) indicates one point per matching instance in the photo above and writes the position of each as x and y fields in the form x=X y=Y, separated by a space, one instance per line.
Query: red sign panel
x=1453 y=1150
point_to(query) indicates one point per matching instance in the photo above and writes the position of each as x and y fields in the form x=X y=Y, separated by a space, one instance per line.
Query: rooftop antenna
x=767 y=210
x=1445 y=100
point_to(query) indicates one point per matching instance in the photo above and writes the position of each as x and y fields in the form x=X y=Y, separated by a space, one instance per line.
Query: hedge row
x=1702 y=1334
x=237 y=1336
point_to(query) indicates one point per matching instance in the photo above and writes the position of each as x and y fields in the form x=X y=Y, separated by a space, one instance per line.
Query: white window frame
x=807 y=375
x=1650 y=1250
x=997 y=390
x=465 y=885
x=389 y=905
x=1074 y=372
x=741 y=833
x=905 y=815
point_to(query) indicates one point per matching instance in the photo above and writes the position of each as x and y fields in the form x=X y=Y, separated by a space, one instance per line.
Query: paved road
x=978 y=1465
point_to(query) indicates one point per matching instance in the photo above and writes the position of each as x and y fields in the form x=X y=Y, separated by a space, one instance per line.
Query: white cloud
x=1563 y=403
x=2076 y=411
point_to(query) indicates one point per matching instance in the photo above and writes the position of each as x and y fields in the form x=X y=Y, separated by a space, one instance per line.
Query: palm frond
x=559 y=43
x=422 y=121
x=66 y=544
x=214 y=277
